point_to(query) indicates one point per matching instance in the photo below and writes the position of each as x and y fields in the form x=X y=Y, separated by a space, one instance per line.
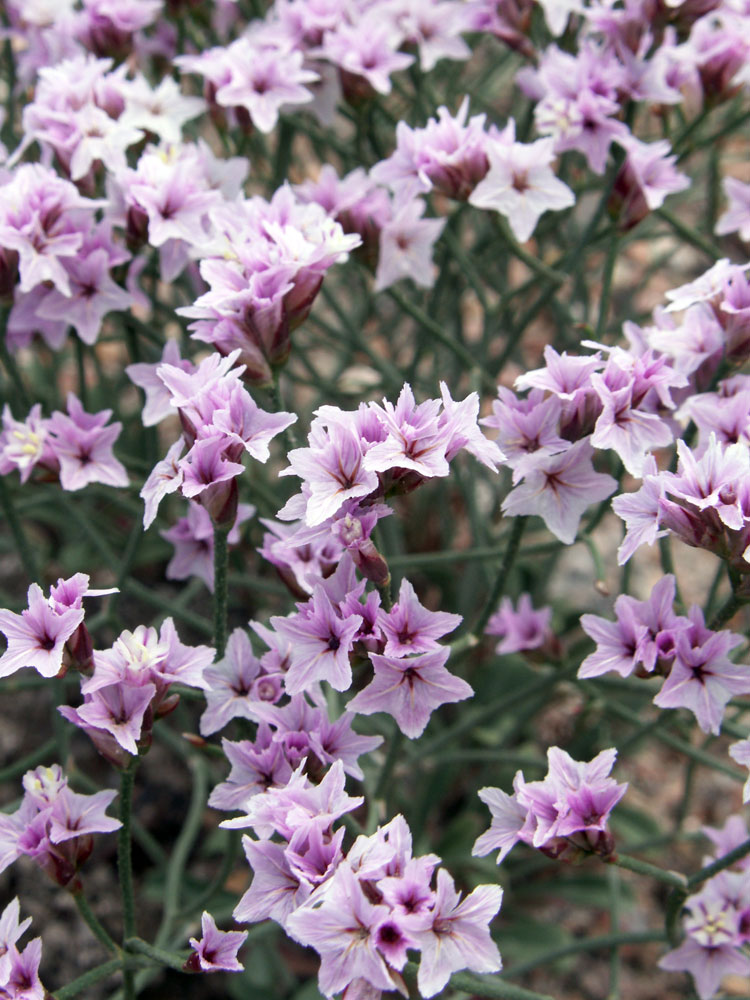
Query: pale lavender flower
x=520 y=183
x=519 y=628
x=528 y=429
x=298 y=805
x=332 y=468
x=231 y=683
x=24 y=443
x=447 y=155
x=644 y=180
x=736 y=218
x=559 y=489
x=83 y=446
x=147 y=657
x=368 y=49
x=117 y=710
x=459 y=422
x=631 y=432
x=166 y=477
x=276 y=891
x=193 y=540
x=217 y=950
x=458 y=935
x=702 y=677
x=254 y=768
x=410 y=689
x=74 y=815
x=565 y=813
x=620 y=645
x=341 y=926
x=37 y=637
x=640 y=511
x=158 y=405
x=321 y=642
x=410 y=628
x=93 y=294
x=508 y=819
x=414 y=438
x=707 y=965
x=43 y=219
x=406 y=244
x=11 y=930
x=23 y=981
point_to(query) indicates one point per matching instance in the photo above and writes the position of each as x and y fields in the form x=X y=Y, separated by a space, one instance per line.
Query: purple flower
x=566 y=812
x=37 y=637
x=193 y=541
x=276 y=891
x=736 y=218
x=520 y=183
x=410 y=689
x=93 y=294
x=406 y=244
x=410 y=628
x=23 y=981
x=117 y=710
x=447 y=155
x=620 y=645
x=11 y=930
x=521 y=628
x=341 y=926
x=158 y=405
x=559 y=489
x=702 y=677
x=458 y=935
x=217 y=950
x=83 y=447
x=707 y=965
x=321 y=642
x=231 y=683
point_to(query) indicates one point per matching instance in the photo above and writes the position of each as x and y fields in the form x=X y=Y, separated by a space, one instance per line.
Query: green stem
x=33 y=759
x=609 y=270
x=727 y=611
x=586 y=945
x=432 y=326
x=125 y=868
x=19 y=536
x=501 y=581
x=481 y=986
x=96 y=927
x=688 y=234
x=715 y=867
x=221 y=569
x=158 y=955
x=675 y=879
x=182 y=849
x=88 y=979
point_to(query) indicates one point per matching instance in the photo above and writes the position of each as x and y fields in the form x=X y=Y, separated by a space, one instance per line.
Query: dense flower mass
x=267 y=273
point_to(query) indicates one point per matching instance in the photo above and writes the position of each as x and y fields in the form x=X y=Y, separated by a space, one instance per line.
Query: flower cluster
x=129 y=688
x=264 y=265
x=220 y=422
x=564 y=815
x=647 y=637
x=716 y=924
x=49 y=635
x=74 y=447
x=362 y=909
x=54 y=825
x=356 y=459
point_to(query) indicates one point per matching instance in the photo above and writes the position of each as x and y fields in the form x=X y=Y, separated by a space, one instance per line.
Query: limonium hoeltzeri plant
x=375 y=489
